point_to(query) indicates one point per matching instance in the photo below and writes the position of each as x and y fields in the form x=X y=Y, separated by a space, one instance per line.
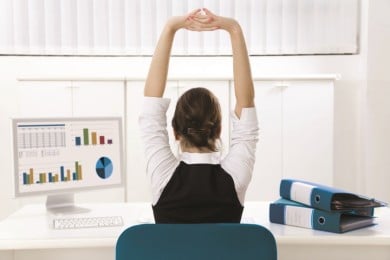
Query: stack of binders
x=315 y=206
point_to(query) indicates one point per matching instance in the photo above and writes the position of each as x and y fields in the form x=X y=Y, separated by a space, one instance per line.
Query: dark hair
x=197 y=118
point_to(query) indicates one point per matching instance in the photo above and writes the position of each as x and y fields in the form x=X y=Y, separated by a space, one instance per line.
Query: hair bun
x=191 y=130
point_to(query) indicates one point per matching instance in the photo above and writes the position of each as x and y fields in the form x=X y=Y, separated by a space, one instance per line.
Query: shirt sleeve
x=160 y=161
x=240 y=160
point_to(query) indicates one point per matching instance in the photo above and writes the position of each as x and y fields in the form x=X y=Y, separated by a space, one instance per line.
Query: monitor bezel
x=17 y=192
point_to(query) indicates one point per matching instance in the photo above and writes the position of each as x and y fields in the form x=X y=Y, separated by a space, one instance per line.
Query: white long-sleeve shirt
x=161 y=162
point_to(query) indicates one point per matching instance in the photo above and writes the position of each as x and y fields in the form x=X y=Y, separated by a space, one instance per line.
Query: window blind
x=132 y=27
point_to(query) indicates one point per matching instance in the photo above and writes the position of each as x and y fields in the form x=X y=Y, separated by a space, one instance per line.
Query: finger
x=203 y=19
x=199 y=16
x=208 y=12
x=202 y=24
x=194 y=27
x=194 y=12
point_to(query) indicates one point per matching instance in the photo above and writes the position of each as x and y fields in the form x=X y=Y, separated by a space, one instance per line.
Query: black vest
x=198 y=193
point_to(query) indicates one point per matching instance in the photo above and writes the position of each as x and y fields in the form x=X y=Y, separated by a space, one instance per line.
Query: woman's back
x=199 y=187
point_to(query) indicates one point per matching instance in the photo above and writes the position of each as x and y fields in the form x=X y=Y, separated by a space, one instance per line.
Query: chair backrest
x=196 y=241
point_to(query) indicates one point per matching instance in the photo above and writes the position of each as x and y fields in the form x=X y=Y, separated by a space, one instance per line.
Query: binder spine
x=301 y=192
x=296 y=191
x=298 y=216
x=304 y=217
x=306 y=193
x=292 y=216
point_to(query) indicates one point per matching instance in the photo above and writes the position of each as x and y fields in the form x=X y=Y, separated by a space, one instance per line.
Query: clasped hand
x=202 y=20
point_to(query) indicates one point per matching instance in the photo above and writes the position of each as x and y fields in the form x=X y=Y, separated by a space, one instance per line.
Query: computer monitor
x=57 y=157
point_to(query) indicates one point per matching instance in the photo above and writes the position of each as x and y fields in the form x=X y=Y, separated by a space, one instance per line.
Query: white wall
x=375 y=144
x=361 y=113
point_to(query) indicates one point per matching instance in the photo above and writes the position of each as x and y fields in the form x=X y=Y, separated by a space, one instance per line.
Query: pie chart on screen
x=104 y=167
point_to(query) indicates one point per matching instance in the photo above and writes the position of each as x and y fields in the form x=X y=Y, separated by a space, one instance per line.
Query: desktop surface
x=29 y=229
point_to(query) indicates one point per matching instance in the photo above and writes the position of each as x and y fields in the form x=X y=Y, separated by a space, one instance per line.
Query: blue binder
x=325 y=198
x=292 y=213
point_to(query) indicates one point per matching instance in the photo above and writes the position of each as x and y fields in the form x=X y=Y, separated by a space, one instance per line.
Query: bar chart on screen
x=42 y=175
x=96 y=135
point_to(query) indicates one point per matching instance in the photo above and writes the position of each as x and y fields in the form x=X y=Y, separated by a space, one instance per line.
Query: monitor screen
x=66 y=155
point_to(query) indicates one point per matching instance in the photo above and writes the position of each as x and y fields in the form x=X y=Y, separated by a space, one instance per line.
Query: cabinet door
x=45 y=99
x=67 y=98
x=307 y=127
x=268 y=167
x=98 y=98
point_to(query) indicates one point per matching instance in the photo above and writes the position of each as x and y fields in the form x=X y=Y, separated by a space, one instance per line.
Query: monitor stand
x=63 y=204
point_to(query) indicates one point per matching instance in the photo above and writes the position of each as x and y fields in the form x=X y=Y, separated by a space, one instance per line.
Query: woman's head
x=197 y=119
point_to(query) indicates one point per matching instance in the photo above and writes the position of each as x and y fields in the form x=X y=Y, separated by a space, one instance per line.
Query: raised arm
x=157 y=76
x=243 y=82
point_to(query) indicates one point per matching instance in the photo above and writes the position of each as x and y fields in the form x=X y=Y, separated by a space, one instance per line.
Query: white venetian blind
x=131 y=27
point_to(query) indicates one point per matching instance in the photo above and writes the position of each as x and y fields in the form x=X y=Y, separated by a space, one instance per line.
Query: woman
x=199 y=187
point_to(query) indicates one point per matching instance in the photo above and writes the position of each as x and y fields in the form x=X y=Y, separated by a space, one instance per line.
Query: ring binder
x=325 y=197
x=292 y=213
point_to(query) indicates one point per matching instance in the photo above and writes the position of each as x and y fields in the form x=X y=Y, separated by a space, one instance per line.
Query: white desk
x=26 y=235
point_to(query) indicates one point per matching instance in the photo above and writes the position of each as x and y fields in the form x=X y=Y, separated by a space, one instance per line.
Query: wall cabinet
x=71 y=98
x=45 y=99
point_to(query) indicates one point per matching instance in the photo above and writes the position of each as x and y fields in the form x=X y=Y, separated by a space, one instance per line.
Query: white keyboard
x=87 y=222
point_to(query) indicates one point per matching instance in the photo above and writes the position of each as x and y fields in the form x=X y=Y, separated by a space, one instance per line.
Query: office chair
x=196 y=241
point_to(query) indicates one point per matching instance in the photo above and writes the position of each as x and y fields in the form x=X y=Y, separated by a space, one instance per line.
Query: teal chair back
x=196 y=241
